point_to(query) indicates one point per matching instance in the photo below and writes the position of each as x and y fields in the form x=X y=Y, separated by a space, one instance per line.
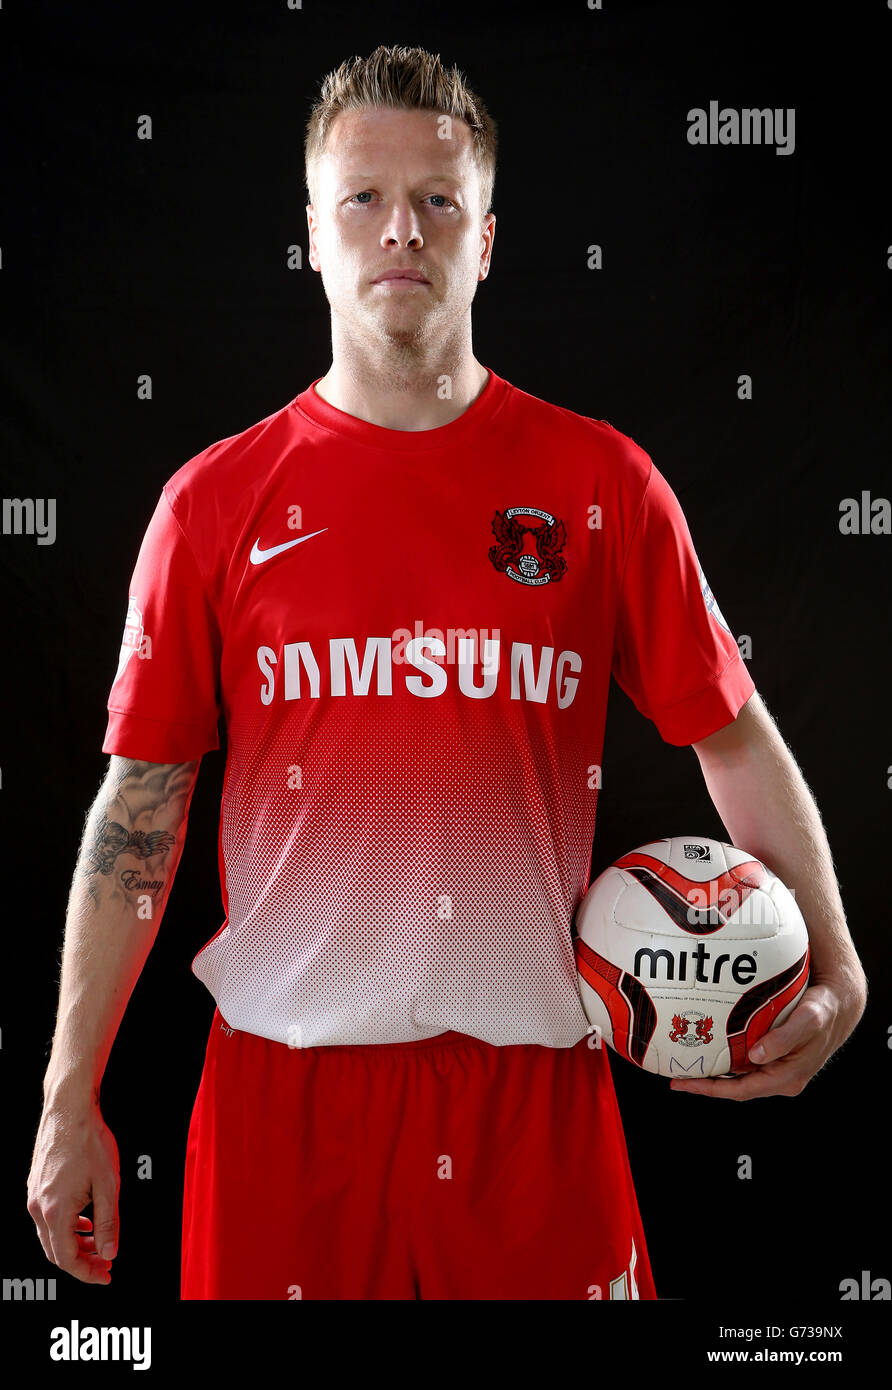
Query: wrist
x=73 y=1089
x=846 y=978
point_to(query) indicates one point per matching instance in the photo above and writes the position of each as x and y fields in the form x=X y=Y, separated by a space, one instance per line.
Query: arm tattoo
x=111 y=839
x=136 y=791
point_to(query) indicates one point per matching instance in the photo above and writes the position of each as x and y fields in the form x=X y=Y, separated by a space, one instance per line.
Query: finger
x=804 y=1024
x=93 y=1269
x=776 y=1081
x=722 y=1088
x=84 y=1225
x=65 y=1234
x=90 y=1268
x=55 y=1232
x=775 y=1044
x=84 y=1229
x=61 y=1227
x=105 y=1218
x=88 y=1255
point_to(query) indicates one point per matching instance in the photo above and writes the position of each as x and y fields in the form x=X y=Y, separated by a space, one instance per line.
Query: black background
x=168 y=257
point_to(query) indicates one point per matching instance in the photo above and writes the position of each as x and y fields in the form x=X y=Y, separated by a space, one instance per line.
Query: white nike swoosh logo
x=258 y=556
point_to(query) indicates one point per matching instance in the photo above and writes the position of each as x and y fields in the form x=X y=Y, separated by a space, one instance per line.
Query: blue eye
x=366 y=193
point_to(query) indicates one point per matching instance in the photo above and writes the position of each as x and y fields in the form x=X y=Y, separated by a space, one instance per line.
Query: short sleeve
x=163 y=705
x=674 y=654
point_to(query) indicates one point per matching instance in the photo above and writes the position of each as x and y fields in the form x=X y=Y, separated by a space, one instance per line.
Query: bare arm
x=768 y=809
x=133 y=838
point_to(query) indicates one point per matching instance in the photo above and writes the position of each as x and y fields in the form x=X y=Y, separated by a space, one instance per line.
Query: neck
x=404 y=391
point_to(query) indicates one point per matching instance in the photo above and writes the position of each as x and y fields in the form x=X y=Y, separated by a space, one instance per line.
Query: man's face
x=391 y=195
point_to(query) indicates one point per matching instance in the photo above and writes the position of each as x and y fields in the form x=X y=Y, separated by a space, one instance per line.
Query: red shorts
x=446 y=1168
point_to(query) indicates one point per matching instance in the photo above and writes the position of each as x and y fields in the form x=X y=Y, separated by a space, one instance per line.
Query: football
x=687 y=951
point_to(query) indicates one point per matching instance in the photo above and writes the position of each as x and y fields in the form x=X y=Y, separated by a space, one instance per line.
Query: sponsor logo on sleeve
x=710 y=601
x=133 y=635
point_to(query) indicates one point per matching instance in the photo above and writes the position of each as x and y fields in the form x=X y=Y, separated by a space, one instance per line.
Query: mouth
x=398 y=278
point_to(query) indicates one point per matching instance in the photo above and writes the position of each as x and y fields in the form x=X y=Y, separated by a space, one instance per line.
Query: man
x=406 y=591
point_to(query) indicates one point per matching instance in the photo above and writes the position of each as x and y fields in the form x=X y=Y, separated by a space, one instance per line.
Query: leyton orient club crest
x=516 y=559
x=702 y=1028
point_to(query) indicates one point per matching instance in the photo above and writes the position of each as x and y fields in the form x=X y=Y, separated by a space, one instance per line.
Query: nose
x=402 y=228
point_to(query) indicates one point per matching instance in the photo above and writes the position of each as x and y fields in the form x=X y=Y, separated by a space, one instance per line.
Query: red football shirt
x=410 y=636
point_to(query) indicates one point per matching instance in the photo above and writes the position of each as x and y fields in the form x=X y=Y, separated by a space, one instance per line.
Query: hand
x=75 y=1161
x=797 y=1049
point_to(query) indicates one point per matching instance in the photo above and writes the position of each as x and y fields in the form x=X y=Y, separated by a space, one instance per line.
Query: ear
x=487 y=233
x=311 y=229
